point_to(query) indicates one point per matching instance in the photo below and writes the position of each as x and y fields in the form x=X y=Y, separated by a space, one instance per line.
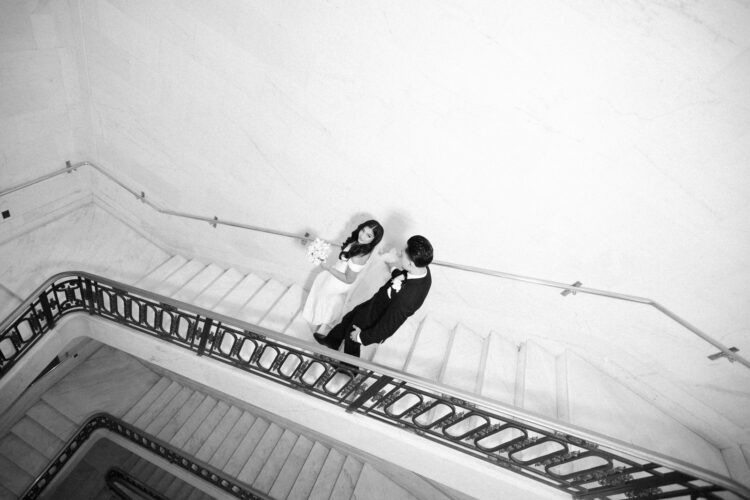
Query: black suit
x=381 y=316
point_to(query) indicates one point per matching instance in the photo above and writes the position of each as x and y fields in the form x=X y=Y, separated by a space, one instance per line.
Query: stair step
x=261 y=302
x=200 y=282
x=184 y=412
x=174 y=487
x=373 y=485
x=37 y=436
x=231 y=304
x=603 y=404
x=163 y=485
x=22 y=454
x=146 y=400
x=155 y=477
x=299 y=328
x=79 y=483
x=499 y=378
x=167 y=414
x=52 y=420
x=13 y=478
x=193 y=422
x=260 y=454
x=6 y=494
x=213 y=294
x=275 y=461
x=430 y=350
x=246 y=447
x=8 y=302
x=309 y=473
x=220 y=431
x=161 y=273
x=194 y=442
x=227 y=448
x=284 y=311
x=344 y=486
x=464 y=359
x=540 y=381
x=141 y=468
x=329 y=473
x=291 y=468
x=155 y=408
x=177 y=279
x=394 y=351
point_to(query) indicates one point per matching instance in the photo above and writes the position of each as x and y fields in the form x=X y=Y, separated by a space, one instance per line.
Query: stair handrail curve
x=110 y=423
x=115 y=477
x=366 y=389
x=726 y=352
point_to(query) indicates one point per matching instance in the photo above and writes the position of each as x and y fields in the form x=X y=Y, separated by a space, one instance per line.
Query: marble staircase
x=280 y=460
x=561 y=386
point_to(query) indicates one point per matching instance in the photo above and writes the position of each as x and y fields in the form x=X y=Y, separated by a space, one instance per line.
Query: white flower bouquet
x=318 y=250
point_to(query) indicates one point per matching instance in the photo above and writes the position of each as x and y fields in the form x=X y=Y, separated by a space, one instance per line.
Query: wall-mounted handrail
x=204 y=332
x=728 y=353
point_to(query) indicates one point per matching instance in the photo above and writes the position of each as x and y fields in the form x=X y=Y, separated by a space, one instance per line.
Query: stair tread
x=194 y=420
x=275 y=461
x=174 y=487
x=54 y=421
x=156 y=407
x=213 y=294
x=328 y=475
x=22 y=454
x=344 y=486
x=394 y=351
x=239 y=296
x=307 y=476
x=233 y=439
x=167 y=414
x=603 y=404
x=37 y=436
x=284 y=311
x=151 y=280
x=299 y=328
x=540 y=381
x=6 y=494
x=462 y=366
x=261 y=452
x=177 y=279
x=499 y=378
x=174 y=424
x=374 y=485
x=261 y=302
x=292 y=466
x=220 y=431
x=430 y=350
x=196 y=440
x=146 y=400
x=198 y=283
x=245 y=449
x=12 y=477
x=739 y=468
x=163 y=485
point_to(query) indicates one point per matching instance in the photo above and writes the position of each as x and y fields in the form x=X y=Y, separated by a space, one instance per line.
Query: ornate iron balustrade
x=558 y=455
x=120 y=482
x=154 y=445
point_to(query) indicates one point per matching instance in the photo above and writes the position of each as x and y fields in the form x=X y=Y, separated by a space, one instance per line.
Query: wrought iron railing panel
x=558 y=459
x=154 y=445
x=120 y=482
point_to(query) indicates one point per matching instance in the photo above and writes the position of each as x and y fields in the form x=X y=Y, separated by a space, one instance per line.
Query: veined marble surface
x=88 y=239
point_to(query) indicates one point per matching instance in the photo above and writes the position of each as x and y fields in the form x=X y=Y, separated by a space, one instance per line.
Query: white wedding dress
x=325 y=303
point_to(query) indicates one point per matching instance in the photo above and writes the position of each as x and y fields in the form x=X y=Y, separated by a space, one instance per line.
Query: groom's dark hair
x=419 y=250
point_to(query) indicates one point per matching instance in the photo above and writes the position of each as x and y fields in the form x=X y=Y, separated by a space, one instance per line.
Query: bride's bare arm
x=347 y=277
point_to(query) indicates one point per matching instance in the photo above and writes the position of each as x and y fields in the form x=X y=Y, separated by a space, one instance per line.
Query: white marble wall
x=44 y=117
x=605 y=142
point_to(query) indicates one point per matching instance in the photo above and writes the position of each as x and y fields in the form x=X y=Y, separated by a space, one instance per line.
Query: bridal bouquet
x=318 y=250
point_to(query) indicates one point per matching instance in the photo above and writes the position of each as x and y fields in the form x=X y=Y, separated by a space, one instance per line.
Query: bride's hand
x=391 y=256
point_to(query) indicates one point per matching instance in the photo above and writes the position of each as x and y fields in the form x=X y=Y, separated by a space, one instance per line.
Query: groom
x=378 y=318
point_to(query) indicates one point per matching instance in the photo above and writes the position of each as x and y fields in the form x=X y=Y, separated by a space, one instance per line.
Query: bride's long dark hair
x=358 y=249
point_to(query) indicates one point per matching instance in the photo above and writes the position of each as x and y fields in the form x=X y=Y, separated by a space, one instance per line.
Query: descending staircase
x=274 y=458
x=562 y=386
x=87 y=480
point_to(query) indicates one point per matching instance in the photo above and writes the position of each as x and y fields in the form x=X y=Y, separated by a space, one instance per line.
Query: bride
x=328 y=292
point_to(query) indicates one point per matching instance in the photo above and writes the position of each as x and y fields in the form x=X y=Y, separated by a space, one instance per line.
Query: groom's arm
x=394 y=317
